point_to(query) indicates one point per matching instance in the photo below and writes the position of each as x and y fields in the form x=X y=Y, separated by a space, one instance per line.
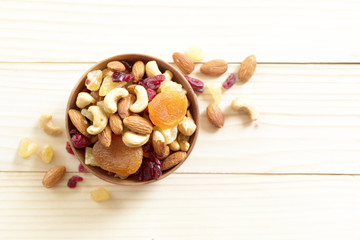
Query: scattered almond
x=215 y=115
x=105 y=136
x=53 y=176
x=214 y=68
x=116 y=124
x=124 y=105
x=173 y=160
x=247 y=69
x=138 y=70
x=138 y=124
x=183 y=62
x=79 y=121
x=116 y=66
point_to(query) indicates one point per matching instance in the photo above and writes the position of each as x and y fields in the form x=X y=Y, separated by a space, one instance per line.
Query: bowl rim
x=182 y=80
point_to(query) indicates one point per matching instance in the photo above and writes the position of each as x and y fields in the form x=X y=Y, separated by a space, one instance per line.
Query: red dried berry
x=150 y=168
x=121 y=76
x=80 y=141
x=82 y=168
x=151 y=94
x=196 y=84
x=73 y=132
x=153 y=82
x=229 y=82
x=73 y=181
x=68 y=148
x=111 y=174
x=127 y=65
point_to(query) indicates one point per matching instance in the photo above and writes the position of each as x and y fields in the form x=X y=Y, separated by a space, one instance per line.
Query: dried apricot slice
x=118 y=158
x=168 y=108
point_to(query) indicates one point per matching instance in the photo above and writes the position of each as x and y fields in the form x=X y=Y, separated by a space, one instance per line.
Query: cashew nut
x=169 y=134
x=132 y=139
x=168 y=75
x=112 y=98
x=47 y=126
x=183 y=142
x=83 y=99
x=174 y=146
x=241 y=104
x=100 y=120
x=101 y=105
x=87 y=114
x=187 y=126
x=152 y=69
x=141 y=99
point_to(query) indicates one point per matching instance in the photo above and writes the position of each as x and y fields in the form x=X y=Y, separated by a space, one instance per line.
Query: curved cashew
x=174 y=146
x=183 y=142
x=241 y=104
x=87 y=114
x=111 y=99
x=83 y=99
x=100 y=120
x=132 y=139
x=47 y=126
x=152 y=69
x=169 y=134
x=141 y=99
x=187 y=126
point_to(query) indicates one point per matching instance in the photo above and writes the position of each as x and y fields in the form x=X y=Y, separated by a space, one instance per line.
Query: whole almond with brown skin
x=124 y=105
x=138 y=124
x=215 y=115
x=173 y=160
x=214 y=68
x=183 y=62
x=138 y=70
x=105 y=136
x=161 y=149
x=53 y=176
x=96 y=96
x=115 y=124
x=131 y=88
x=116 y=66
x=79 y=121
x=247 y=69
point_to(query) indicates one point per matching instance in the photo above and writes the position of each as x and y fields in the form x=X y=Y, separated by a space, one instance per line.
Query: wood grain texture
x=275 y=31
x=184 y=206
x=309 y=120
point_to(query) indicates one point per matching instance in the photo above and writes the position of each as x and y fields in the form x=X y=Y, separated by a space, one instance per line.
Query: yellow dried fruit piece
x=109 y=85
x=195 y=53
x=100 y=195
x=107 y=72
x=94 y=79
x=215 y=92
x=89 y=157
x=27 y=147
x=46 y=153
x=169 y=85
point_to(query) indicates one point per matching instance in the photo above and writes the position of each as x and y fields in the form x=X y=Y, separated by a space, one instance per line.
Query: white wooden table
x=293 y=175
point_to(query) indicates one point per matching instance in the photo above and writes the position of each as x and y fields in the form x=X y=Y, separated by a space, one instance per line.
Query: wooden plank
x=275 y=31
x=309 y=119
x=183 y=206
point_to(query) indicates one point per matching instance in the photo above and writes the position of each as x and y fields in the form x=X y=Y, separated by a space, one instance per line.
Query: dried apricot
x=168 y=108
x=118 y=158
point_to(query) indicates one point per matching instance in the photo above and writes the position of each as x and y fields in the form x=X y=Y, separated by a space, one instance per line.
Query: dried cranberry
x=73 y=132
x=68 y=148
x=82 y=168
x=87 y=82
x=73 y=181
x=150 y=168
x=121 y=76
x=153 y=82
x=229 y=82
x=147 y=147
x=196 y=84
x=80 y=141
x=151 y=94
x=111 y=174
x=127 y=65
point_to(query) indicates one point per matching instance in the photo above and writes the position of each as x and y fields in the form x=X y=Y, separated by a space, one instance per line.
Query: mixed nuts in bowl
x=132 y=119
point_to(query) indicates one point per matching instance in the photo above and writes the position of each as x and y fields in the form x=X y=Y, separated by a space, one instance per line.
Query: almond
x=79 y=121
x=116 y=124
x=161 y=149
x=247 y=69
x=53 y=176
x=183 y=62
x=214 y=68
x=124 y=105
x=138 y=70
x=96 y=96
x=105 y=136
x=131 y=88
x=215 y=115
x=173 y=160
x=138 y=124
x=116 y=66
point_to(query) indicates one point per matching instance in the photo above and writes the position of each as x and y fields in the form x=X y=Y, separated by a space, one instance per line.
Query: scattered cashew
x=187 y=126
x=132 y=139
x=174 y=146
x=47 y=126
x=141 y=99
x=83 y=99
x=168 y=75
x=152 y=69
x=100 y=120
x=183 y=142
x=241 y=104
x=112 y=98
x=87 y=114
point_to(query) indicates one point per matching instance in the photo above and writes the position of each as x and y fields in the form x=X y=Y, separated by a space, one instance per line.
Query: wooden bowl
x=178 y=77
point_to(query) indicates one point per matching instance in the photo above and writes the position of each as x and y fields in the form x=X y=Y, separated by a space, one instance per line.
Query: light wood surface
x=292 y=175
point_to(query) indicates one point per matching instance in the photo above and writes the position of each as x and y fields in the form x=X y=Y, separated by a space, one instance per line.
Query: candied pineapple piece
x=108 y=85
x=215 y=92
x=94 y=79
x=195 y=53
x=100 y=195
x=46 y=153
x=89 y=157
x=27 y=147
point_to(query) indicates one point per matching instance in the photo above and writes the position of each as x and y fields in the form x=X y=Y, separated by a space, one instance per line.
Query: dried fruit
x=167 y=109
x=82 y=168
x=107 y=72
x=109 y=85
x=214 y=68
x=94 y=79
x=116 y=66
x=121 y=76
x=100 y=195
x=195 y=53
x=153 y=82
x=73 y=181
x=247 y=68
x=46 y=153
x=151 y=94
x=215 y=92
x=53 y=176
x=27 y=147
x=89 y=157
x=68 y=148
x=173 y=160
x=80 y=141
x=127 y=65
x=229 y=82
x=196 y=84
x=215 y=115
x=150 y=169
x=171 y=86
x=183 y=62
x=118 y=158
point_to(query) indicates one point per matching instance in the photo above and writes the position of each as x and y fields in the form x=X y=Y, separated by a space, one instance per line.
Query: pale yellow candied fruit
x=215 y=92
x=89 y=157
x=94 y=79
x=195 y=53
x=100 y=195
x=46 y=153
x=27 y=147
x=108 y=85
